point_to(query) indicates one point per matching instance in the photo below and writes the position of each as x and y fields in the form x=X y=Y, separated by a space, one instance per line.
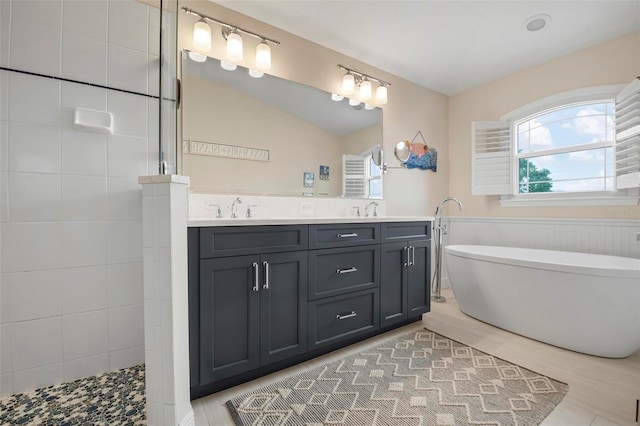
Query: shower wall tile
x=33 y=378
x=70 y=205
x=74 y=96
x=126 y=156
x=83 y=198
x=128 y=24
x=34 y=148
x=126 y=328
x=84 y=289
x=34 y=295
x=83 y=153
x=34 y=99
x=127 y=69
x=34 y=197
x=36 y=343
x=125 y=242
x=129 y=113
x=84 y=367
x=85 y=334
x=123 y=285
x=84 y=244
x=125 y=199
x=30 y=246
x=74 y=19
x=84 y=59
x=39 y=48
x=44 y=13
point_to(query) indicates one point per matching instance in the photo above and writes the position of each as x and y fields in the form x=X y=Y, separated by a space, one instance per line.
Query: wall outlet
x=305 y=208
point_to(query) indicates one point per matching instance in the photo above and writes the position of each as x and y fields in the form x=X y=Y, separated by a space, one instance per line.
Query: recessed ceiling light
x=537 y=22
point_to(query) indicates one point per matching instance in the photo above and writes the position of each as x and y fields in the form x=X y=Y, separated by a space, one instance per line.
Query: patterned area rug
x=421 y=378
x=116 y=398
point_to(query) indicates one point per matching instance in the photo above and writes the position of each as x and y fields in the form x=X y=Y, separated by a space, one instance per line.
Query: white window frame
x=591 y=198
x=368 y=157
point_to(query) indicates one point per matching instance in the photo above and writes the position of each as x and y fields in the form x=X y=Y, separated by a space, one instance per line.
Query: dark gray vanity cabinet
x=262 y=298
x=252 y=308
x=405 y=275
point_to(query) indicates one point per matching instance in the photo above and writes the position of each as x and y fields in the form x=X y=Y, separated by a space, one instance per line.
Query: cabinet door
x=419 y=274
x=393 y=283
x=283 y=306
x=229 y=317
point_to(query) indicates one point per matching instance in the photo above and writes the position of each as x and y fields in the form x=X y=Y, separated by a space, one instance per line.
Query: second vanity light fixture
x=234 y=48
x=355 y=79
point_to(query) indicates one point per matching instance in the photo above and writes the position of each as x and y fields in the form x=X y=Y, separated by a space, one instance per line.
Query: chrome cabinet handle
x=346 y=271
x=256 y=271
x=405 y=252
x=411 y=251
x=353 y=234
x=266 y=275
x=351 y=315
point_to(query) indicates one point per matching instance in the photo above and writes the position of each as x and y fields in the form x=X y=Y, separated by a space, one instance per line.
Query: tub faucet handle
x=357 y=211
x=249 y=213
x=218 y=211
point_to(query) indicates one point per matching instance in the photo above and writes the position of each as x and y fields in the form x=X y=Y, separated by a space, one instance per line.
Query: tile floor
x=602 y=392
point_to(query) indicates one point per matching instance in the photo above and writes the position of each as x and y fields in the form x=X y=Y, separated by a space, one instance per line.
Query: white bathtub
x=584 y=302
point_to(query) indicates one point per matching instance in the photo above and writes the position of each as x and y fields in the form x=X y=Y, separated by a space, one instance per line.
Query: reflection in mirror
x=402 y=151
x=261 y=135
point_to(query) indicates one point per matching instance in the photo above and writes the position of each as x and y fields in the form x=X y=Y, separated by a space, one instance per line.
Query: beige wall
x=614 y=62
x=216 y=113
x=410 y=107
x=361 y=140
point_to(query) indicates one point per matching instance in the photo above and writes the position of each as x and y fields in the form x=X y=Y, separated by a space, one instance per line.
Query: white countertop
x=303 y=220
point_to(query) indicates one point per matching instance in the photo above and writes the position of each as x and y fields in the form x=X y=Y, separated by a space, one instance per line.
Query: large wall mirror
x=267 y=135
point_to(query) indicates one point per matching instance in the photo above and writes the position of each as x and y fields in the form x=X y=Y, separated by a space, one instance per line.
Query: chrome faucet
x=440 y=230
x=218 y=211
x=375 y=211
x=233 y=207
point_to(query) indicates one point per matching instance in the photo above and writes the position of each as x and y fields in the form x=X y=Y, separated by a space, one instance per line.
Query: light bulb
x=234 y=46
x=197 y=57
x=263 y=56
x=348 y=84
x=202 y=36
x=354 y=102
x=381 y=94
x=255 y=73
x=365 y=90
x=368 y=106
x=228 y=65
x=336 y=97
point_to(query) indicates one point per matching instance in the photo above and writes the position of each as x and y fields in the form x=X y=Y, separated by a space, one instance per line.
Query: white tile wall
x=71 y=288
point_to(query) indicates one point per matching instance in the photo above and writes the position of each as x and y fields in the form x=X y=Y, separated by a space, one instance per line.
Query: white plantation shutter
x=628 y=136
x=353 y=176
x=491 y=164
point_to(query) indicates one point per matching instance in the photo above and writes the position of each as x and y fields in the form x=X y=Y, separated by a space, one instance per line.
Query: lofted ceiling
x=448 y=46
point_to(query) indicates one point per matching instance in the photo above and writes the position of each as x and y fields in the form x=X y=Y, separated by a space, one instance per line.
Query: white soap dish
x=93 y=121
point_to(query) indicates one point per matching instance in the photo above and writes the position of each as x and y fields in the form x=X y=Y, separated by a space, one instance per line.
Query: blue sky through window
x=572 y=130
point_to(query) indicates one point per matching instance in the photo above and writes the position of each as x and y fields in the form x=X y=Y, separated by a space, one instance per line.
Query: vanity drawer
x=342 y=235
x=241 y=240
x=402 y=231
x=343 y=270
x=338 y=318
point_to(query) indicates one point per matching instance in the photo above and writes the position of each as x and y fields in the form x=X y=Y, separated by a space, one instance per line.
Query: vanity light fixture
x=197 y=57
x=354 y=102
x=232 y=35
x=336 y=97
x=229 y=66
x=202 y=36
x=369 y=106
x=355 y=78
x=255 y=73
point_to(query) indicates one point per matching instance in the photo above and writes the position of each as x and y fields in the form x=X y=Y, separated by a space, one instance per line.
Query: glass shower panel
x=169 y=90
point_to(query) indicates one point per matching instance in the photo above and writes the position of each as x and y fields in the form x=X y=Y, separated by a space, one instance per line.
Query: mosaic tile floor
x=115 y=398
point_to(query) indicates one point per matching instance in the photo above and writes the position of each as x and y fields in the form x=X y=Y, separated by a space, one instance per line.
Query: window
x=566 y=149
x=576 y=148
x=362 y=174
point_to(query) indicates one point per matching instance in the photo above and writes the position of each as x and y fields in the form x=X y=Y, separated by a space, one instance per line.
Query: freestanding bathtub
x=584 y=302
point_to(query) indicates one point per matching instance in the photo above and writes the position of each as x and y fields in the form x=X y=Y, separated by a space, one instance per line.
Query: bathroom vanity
x=265 y=295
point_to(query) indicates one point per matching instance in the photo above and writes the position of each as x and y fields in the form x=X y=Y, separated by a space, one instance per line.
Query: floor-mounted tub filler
x=588 y=303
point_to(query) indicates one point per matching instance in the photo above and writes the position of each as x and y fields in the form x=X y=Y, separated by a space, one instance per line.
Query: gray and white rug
x=421 y=378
